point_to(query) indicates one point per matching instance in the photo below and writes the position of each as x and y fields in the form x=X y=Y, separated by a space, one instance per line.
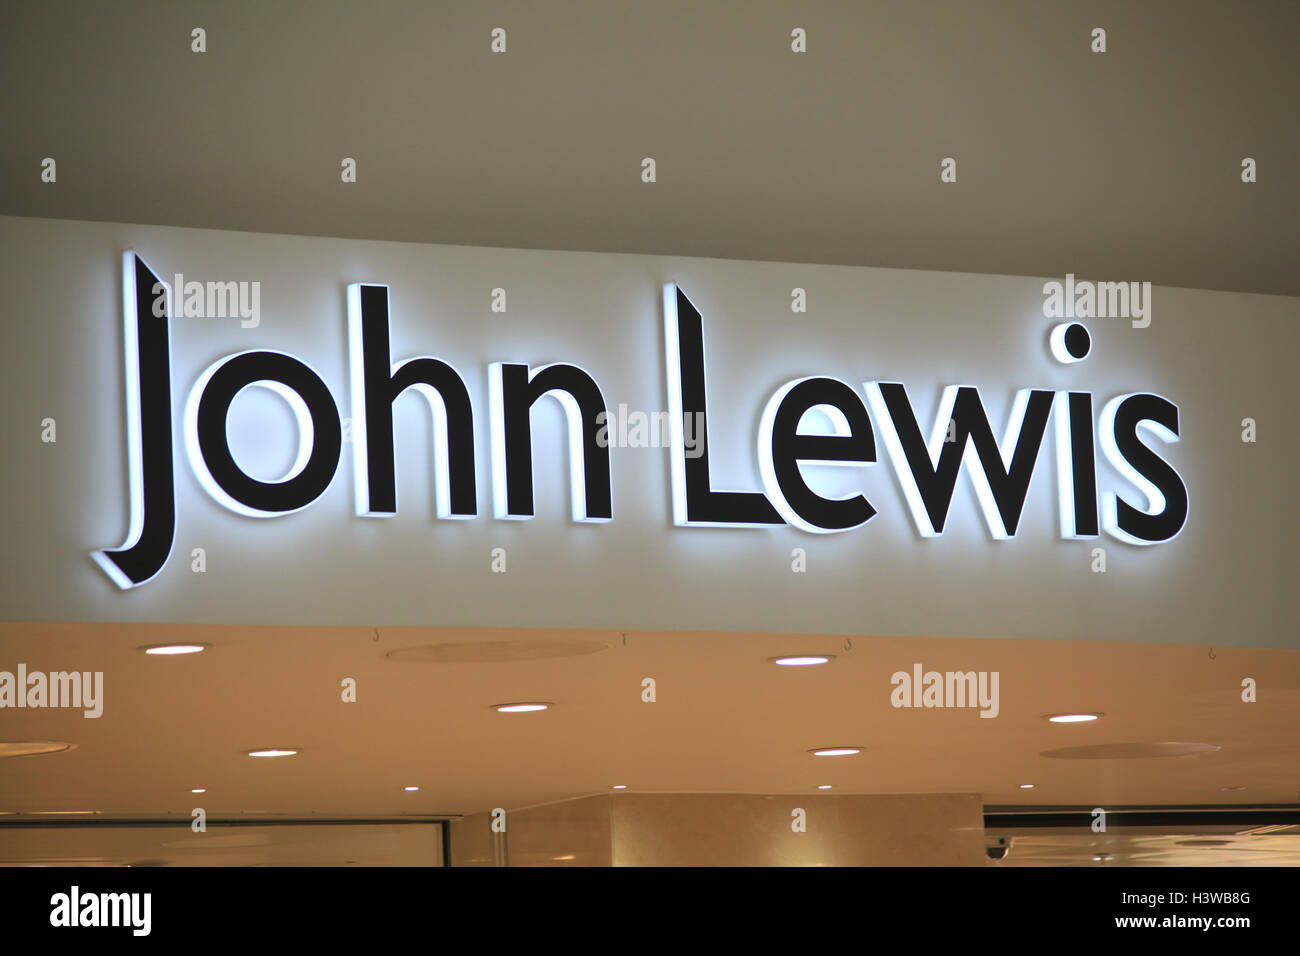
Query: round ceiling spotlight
x=824 y=786
x=835 y=751
x=410 y=789
x=522 y=707
x=1073 y=718
x=802 y=660
x=619 y=786
x=1026 y=786
x=200 y=790
x=272 y=752
x=172 y=650
x=33 y=748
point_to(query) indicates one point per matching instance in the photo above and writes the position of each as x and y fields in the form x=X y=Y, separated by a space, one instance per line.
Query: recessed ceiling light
x=806 y=660
x=1226 y=789
x=835 y=751
x=1071 y=718
x=520 y=708
x=824 y=786
x=200 y=790
x=169 y=650
x=619 y=786
x=410 y=789
x=1026 y=786
x=274 y=752
x=32 y=748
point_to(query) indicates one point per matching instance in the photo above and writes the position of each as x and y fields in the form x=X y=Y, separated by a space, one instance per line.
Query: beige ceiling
x=725 y=720
x=1122 y=165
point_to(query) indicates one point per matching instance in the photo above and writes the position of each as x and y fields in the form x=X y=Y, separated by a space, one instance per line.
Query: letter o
x=320 y=434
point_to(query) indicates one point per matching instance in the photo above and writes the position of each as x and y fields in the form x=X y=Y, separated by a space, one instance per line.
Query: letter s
x=1155 y=478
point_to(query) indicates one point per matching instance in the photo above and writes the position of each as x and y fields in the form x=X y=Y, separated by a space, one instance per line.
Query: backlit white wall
x=1229 y=578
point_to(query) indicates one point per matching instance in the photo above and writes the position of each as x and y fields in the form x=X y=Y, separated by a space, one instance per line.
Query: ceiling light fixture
x=824 y=786
x=805 y=660
x=523 y=707
x=410 y=789
x=171 y=650
x=619 y=786
x=200 y=790
x=835 y=751
x=1026 y=786
x=1072 y=718
x=273 y=752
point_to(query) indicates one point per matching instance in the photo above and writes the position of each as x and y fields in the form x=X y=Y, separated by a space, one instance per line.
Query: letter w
x=928 y=473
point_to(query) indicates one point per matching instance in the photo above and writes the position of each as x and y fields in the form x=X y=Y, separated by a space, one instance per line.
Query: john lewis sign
x=869 y=422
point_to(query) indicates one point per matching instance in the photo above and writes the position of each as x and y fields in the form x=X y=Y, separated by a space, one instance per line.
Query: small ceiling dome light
x=171 y=650
x=1071 y=718
x=824 y=786
x=619 y=786
x=523 y=707
x=200 y=790
x=802 y=660
x=835 y=751
x=273 y=752
x=1026 y=786
x=410 y=789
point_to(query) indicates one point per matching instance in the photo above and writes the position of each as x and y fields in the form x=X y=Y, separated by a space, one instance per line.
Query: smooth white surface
x=1227 y=579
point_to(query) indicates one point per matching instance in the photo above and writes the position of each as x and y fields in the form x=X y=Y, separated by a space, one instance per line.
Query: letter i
x=1076 y=465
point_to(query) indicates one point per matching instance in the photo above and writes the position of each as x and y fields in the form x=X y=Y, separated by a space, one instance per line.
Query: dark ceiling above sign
x=1123 y=165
